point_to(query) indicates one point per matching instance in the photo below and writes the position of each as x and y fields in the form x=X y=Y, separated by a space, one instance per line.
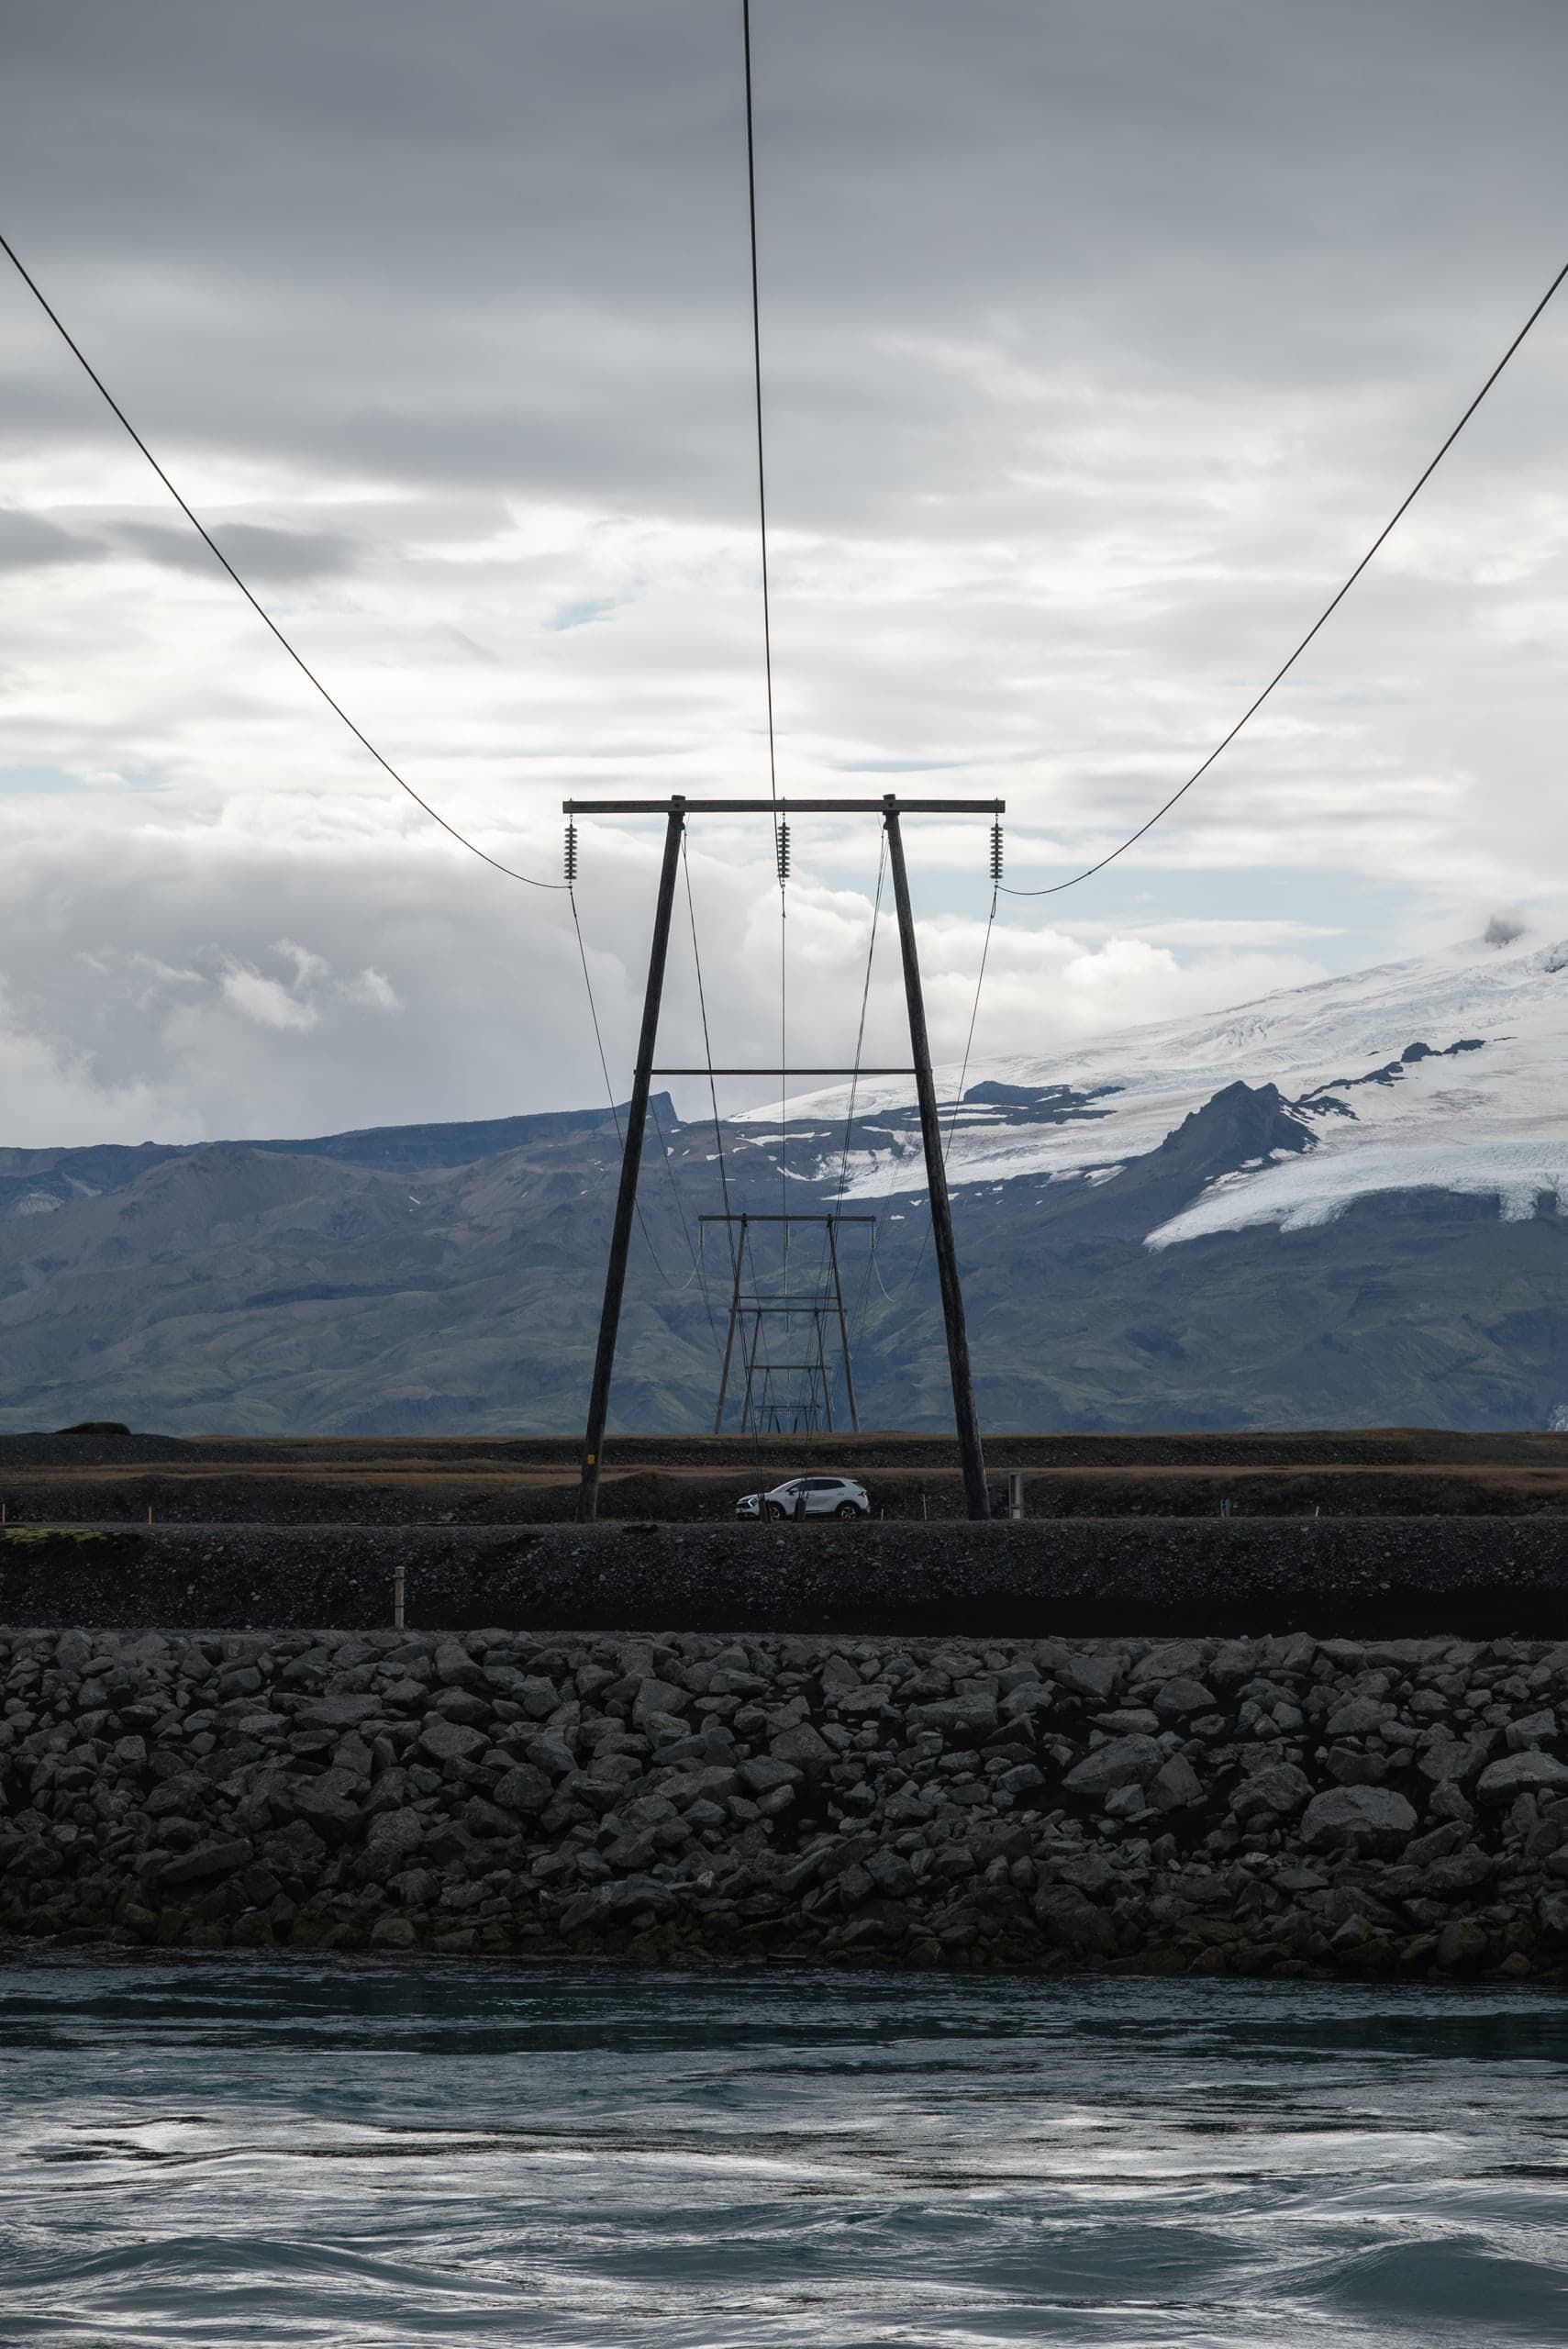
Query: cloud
x=267 y=1001
x=232 y=984
x=1097 y=345
x=32 y=542
x=257 y=553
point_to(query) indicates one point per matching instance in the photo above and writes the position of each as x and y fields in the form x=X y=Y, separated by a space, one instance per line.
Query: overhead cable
x=1056 y=887
x=860 y=1030
x=968 y=1046
x=781 y=838
x=757 y=387
x=707 y=1053
x=259 y=609
x=696 y=1275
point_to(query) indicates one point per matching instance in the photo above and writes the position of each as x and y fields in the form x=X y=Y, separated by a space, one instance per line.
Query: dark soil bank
x=1282 y=1805
x=1475 y=1577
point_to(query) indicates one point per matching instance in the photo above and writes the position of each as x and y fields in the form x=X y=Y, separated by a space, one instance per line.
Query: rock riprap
x=1278 y=1806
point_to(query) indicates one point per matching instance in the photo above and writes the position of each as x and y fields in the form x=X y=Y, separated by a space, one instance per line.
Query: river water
x=215 y=2151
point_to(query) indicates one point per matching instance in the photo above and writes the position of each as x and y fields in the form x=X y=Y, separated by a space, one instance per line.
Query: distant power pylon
x=891 y=809
x=810 y=1405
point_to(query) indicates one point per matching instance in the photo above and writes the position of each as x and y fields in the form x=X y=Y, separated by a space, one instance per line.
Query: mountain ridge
x=1297 y=1213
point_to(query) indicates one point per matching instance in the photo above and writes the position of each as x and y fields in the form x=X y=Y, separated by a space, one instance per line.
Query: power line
x=1056 y=887
x=860 y=1030
x=962 y=1078
x=781 y=834
x=692 y=1249
x=708 y=1051
x=757 y=383
x=825 y=1259
x=262 y=613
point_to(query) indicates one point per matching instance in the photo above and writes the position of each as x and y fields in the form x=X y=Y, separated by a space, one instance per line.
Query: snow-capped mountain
x=1442 y=1074
x=1338 y=1207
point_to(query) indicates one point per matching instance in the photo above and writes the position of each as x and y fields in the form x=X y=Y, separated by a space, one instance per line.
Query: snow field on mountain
x=1491 y=1120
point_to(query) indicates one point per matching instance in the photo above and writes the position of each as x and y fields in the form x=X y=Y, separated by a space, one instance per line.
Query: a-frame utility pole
x=972 y=1457
x=632 y=1162
x=891 y=808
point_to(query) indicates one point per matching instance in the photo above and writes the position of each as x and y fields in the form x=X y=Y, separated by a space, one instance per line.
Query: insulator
x=571 y=854
x=782 y=845
x=997 y=853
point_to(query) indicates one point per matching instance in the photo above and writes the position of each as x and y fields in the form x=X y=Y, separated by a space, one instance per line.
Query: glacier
x=1478 y=1109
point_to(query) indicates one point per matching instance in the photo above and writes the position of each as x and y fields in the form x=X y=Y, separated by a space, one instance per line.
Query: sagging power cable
x=781 y=833
x=968 y=1046
x=695 y=1276
x=838 y=1194
x=1055 y=888
x=707 y=1055
x=861 y=1029
x=259 y=609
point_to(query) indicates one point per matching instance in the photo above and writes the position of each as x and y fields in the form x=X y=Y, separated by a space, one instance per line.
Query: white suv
x=825 y=1496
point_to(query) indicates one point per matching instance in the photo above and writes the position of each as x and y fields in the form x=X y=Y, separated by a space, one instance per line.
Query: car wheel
x=776 y=1508
x=847 y=1509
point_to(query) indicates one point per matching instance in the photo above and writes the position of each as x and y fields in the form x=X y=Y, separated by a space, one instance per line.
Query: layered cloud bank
x=1086 y=379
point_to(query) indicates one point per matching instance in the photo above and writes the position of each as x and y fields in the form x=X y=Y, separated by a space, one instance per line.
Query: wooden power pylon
x=675 y=811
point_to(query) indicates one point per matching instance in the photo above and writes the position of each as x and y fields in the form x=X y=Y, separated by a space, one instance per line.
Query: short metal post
x=971 y=1452
x=631 y=1165
x=1016 y=1492
x=398 y=1586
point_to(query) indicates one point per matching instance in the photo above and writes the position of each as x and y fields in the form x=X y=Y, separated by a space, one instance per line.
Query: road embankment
x=1475 y=1577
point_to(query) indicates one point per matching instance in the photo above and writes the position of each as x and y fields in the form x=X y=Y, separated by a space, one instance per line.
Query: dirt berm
x=1084 y=1577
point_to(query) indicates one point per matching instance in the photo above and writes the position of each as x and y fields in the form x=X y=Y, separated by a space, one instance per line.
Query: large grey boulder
x=964 y=1718
x=394 y=1837
x=1094 y=1677
x=1124 y=1762
x=551 y=1753
x=1181 y=1695
x=462 y=1705
x=1174 y=1785
x=802 y=1743
x=326 y=1804
x=455 y=1668
x=206 y=1864
x=447 y=1742
x=1277 y=1792
x=524 y=1789
x=1069 y=1919
x=1536 y=1728
x=1358 y=1819
x=1532 y=1773
x=1357 y=1717
x=600 y=1903
x=339 y=1712
x=659 y=1696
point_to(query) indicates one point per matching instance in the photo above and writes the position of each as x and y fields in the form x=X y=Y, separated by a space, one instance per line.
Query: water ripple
x=354 y=2154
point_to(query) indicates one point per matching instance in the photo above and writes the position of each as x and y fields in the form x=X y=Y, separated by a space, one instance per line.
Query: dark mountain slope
x=263 y=1289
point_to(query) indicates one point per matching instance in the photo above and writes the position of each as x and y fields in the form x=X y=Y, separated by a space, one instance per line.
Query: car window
x=825 y=1484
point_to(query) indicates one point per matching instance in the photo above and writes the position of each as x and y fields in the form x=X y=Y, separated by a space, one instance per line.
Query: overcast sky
x=1098 y=340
